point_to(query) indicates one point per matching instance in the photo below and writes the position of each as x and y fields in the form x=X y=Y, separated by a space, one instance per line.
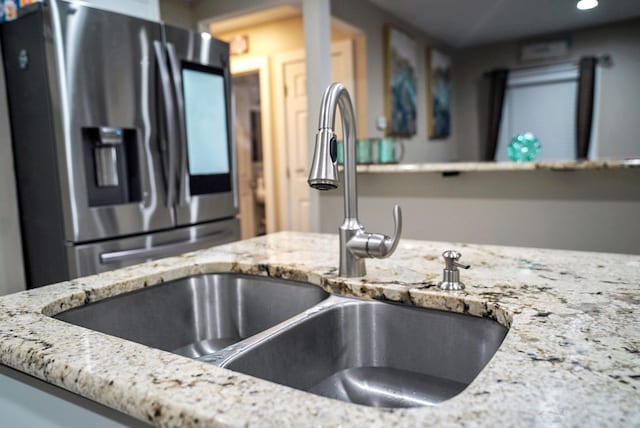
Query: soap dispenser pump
x=451 y=273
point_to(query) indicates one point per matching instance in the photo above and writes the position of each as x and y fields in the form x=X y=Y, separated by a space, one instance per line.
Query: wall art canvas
x=439 y=90
x=400 y=83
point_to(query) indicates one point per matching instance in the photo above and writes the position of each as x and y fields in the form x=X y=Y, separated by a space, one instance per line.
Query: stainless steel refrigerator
x=122 y=137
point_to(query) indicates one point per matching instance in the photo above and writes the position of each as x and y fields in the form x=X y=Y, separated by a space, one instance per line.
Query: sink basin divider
x=223 y=356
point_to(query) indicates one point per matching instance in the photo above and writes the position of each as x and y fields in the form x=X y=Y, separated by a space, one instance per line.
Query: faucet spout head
x=324 y=173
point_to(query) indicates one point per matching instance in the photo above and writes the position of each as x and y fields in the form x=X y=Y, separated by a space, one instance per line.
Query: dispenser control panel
x=106 y=156
x=111 y=165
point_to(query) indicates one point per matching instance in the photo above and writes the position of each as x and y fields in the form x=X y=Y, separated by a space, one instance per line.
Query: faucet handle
x=379 y=245
x=397 y=229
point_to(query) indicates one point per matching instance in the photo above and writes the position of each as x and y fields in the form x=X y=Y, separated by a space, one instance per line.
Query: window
x=542 y=101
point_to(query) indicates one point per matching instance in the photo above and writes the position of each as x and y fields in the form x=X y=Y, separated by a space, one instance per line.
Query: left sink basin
x=197 y=315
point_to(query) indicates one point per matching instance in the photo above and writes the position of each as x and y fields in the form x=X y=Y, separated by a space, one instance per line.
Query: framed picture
x=439 y=93
x=400 y=83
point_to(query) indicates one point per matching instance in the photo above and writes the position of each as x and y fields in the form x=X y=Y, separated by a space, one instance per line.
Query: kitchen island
x=571 y=356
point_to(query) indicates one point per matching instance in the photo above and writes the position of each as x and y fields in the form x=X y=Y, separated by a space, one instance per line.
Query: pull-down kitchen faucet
x=355 y=243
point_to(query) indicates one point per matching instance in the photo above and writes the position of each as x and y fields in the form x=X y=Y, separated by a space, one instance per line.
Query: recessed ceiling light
x=587 y=4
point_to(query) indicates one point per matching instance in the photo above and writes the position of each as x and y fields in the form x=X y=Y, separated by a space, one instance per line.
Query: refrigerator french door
x=199 y=65
x=122 y=144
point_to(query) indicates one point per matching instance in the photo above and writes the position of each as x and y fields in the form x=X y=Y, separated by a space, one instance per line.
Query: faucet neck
x=355 y=243
x=337 y=95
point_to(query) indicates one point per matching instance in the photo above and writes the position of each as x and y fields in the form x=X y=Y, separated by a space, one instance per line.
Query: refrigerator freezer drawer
x=88 y=259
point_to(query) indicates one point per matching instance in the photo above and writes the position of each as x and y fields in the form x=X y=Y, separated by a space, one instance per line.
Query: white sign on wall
x=550 y=49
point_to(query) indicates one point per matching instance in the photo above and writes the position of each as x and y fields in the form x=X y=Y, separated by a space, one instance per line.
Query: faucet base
x=351 y=265
x=448 y=285
x=352 y=269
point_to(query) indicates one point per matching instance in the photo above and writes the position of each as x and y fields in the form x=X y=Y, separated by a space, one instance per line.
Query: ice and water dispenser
x=112 y=165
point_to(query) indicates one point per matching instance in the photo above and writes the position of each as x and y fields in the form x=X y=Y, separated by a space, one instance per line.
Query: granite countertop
x=453 y=167
x=571 y=357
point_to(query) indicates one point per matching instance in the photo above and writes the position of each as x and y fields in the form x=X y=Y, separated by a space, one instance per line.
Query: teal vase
x=524 y=147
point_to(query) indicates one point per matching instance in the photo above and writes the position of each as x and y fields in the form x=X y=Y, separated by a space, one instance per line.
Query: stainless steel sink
x=361 y=351
x=197 y=315
x=373 y=353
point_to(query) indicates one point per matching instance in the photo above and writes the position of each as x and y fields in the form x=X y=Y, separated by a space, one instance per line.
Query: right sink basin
x=374 y=353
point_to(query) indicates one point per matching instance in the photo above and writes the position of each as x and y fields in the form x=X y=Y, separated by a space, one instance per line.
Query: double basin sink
x=362 y=351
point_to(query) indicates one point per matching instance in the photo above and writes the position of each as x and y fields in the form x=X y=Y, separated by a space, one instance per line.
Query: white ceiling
x=461 y=23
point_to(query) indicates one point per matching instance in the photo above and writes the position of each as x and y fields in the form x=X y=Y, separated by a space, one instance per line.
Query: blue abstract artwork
x=440 y=94
x=402 y=84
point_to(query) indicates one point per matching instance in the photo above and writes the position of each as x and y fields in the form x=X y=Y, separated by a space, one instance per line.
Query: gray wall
x=618 y=126
x=574 y=210
x=585 y=210
x=11 y=270
x=371 y=20
x=178 y=13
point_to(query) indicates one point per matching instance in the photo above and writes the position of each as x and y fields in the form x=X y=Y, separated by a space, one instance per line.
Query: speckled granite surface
x=571 y=357
x=497 y=166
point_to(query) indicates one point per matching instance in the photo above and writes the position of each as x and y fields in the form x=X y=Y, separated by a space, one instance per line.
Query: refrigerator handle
x=176 y=72
x=164 y=250
x=170 y=114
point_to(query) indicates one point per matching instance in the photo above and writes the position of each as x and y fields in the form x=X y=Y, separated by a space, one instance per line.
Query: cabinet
x=28 y=402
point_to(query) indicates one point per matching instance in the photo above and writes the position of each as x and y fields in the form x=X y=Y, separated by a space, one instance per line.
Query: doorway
x=291 y=100
x=256 y=199
x=246 y=91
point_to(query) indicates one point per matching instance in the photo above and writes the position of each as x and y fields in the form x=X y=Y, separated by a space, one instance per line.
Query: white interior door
x=296 y=144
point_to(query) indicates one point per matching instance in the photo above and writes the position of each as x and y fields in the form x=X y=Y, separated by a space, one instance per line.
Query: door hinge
x=286 y=91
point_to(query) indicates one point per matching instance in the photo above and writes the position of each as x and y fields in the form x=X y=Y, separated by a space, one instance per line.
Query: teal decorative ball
x=524 y=147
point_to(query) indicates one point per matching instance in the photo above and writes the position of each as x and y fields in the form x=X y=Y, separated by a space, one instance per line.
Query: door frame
x=280 y=131
x=260 y=64
x=279 y=61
